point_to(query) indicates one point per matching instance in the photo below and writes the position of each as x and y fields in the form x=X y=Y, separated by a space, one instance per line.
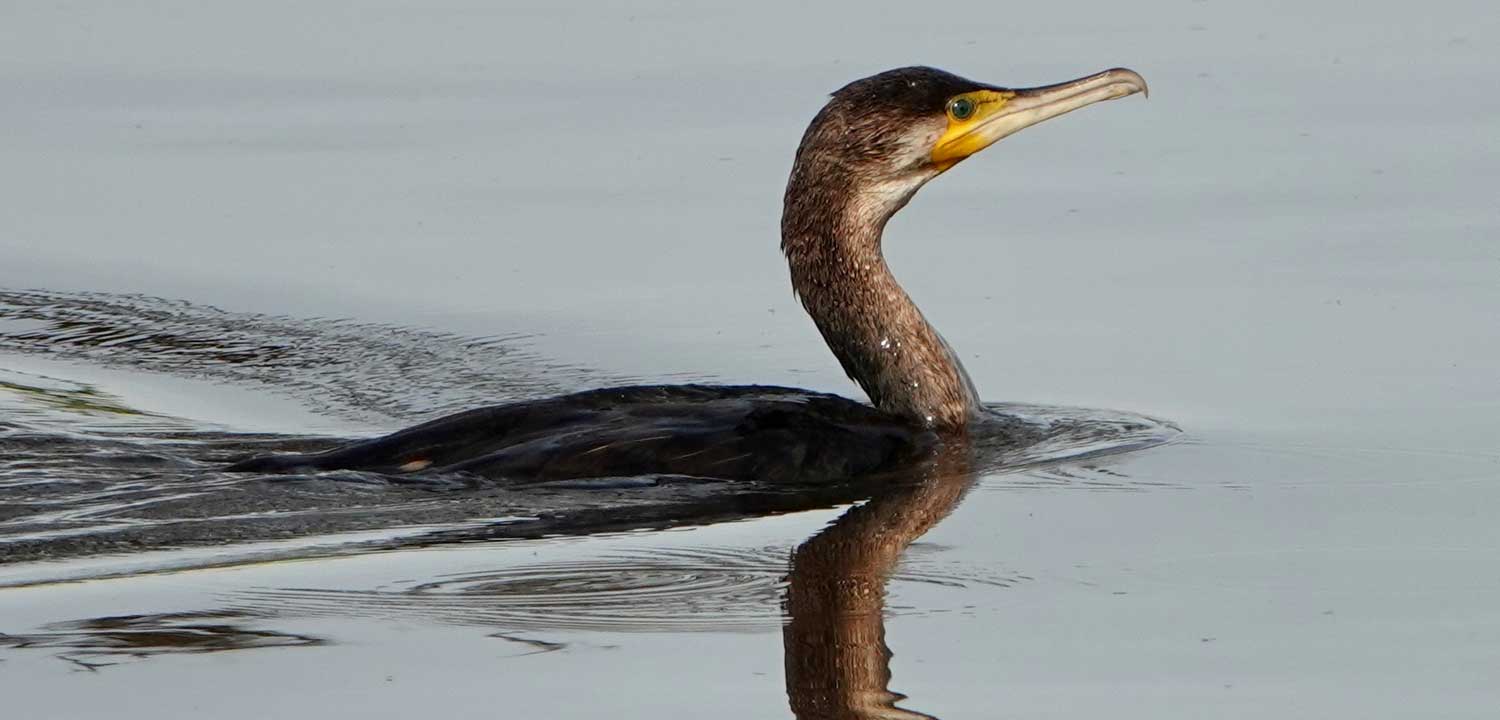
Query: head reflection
x=837 y=662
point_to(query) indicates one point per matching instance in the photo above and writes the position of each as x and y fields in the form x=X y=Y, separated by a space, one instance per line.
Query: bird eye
x=961 y=108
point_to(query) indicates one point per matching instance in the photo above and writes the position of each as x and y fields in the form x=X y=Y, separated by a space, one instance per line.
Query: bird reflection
x=837 y=662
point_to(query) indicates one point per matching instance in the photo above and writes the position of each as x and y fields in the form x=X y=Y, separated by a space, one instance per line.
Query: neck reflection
x=837 y=662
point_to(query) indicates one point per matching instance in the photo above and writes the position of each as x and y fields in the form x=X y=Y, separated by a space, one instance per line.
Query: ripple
x=1078 y=476
x=701 y=589
x=360 y=371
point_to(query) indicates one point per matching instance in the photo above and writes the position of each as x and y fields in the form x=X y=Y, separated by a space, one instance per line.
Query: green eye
x=961 y=108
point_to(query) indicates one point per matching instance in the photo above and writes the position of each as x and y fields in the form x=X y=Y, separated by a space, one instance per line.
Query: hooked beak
x=1003 y=112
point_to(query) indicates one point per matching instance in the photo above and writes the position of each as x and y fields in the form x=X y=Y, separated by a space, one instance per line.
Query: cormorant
x=872 y=146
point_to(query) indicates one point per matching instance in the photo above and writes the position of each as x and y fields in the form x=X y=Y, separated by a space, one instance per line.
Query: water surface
x=320 y=221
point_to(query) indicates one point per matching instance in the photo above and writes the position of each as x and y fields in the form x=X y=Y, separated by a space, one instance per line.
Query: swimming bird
x=864 y=155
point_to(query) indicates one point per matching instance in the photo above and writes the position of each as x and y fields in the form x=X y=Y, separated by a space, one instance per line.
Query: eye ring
x=961 y=108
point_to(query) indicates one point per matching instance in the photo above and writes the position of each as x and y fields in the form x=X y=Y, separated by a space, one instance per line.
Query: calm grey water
x=349 y=216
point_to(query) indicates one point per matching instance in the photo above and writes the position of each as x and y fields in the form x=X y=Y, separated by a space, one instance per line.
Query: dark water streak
x=97 y=643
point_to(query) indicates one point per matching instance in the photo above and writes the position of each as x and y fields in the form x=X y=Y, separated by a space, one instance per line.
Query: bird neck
x=831 y=238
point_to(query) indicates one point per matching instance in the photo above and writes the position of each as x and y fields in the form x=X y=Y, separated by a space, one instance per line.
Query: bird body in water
x=866 y=153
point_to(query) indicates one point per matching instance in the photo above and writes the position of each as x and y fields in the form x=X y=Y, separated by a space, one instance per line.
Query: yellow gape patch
x=966 y=114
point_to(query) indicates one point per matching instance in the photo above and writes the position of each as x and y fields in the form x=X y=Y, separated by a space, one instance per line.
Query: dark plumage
x=768 y=434
x=903 y=94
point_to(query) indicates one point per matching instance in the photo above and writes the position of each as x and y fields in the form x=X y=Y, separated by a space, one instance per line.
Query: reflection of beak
x=1012 y=110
